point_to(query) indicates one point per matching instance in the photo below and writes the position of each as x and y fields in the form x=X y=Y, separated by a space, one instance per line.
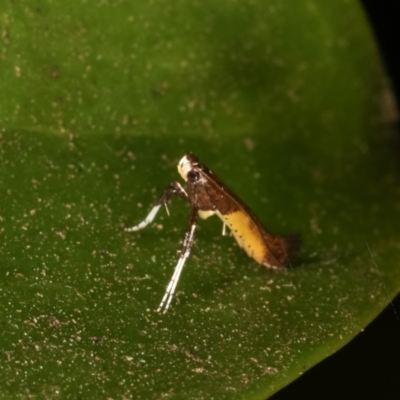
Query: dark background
x=368 y=368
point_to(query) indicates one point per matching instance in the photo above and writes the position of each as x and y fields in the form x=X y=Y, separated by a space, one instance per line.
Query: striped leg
x=185 y=252
x=172 y=188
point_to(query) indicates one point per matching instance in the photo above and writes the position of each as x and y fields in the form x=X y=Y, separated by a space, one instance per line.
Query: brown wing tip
x=284 y=251
x=291 y=245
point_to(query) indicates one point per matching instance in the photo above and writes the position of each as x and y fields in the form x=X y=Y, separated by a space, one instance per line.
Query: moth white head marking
x=184 y=167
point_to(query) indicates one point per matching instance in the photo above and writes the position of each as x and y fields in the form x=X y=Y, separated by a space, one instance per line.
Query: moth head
x=189 y=168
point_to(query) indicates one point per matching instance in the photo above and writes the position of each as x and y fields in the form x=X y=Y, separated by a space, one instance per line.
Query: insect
x=208 y=196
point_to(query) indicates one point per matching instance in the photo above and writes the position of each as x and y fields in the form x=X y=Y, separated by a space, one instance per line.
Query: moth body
x=209 y=196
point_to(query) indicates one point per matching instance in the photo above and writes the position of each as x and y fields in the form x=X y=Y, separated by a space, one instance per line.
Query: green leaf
x=99 y=102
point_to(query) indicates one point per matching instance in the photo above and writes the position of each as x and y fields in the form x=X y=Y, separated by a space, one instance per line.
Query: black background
x=368 y=368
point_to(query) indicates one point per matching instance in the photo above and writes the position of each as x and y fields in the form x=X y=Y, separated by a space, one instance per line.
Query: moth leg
x=185 y=252
x=172 y=188
x=223 y=228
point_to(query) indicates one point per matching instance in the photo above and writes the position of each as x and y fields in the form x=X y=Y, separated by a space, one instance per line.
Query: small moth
x=208 y=196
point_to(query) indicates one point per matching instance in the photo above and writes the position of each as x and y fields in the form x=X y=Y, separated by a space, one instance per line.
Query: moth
x=208 y=196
